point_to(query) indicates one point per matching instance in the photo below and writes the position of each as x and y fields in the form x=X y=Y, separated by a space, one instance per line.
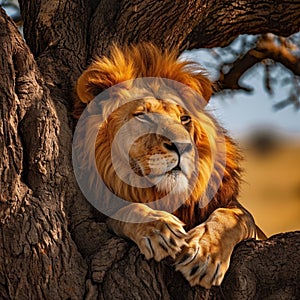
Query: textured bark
x=259 y=270
x=38 y=255
x=222 y=21
x=53 y=245
x=265 y=269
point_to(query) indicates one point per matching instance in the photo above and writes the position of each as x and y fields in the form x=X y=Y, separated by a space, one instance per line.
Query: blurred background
x=260 y=107
x=267 y=128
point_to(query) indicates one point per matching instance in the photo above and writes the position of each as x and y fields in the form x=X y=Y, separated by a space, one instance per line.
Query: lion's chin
x=174 y=182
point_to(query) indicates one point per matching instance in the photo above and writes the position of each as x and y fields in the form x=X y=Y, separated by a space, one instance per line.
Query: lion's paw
x=205 y=260
x=165 y=236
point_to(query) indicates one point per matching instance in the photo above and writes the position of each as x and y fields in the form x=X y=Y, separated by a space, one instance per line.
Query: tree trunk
x=53 y=243
x=38 y=255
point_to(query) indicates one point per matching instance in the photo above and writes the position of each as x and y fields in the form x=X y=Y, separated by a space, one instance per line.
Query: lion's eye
x=138 y=114
x=142 y=116
x=185 y=120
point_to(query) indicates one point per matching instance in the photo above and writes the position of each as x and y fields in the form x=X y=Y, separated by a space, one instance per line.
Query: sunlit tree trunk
x=53 y=244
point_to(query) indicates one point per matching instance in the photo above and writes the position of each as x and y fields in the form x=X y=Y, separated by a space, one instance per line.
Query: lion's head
x=162 y=149
x=161 y=142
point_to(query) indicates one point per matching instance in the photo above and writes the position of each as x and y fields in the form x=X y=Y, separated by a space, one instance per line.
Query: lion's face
x=154 y=138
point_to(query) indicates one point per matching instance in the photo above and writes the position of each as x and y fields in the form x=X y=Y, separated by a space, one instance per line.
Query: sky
x=241 y=113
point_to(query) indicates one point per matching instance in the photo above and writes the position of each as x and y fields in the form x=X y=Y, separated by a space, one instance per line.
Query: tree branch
x=266 y=48
x=222 y=21
x=119 y=264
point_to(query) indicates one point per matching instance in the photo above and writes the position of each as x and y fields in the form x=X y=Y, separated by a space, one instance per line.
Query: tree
x=53 y=243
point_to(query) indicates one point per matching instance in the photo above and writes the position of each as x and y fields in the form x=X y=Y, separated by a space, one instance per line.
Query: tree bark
x=53 y=244
x=222 y=21
x=259 y=270
x=38 y=255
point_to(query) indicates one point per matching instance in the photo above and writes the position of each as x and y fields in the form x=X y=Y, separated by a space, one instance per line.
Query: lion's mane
x=146 y=60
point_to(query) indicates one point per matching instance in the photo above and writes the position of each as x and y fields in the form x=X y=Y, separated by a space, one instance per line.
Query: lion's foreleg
x=158 y=234
x=206 y=259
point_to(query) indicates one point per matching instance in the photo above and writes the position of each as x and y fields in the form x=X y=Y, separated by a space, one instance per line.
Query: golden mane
x=142 y=60
x=146 y=60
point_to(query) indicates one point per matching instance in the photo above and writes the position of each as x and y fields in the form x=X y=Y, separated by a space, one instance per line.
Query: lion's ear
x=205 y=86
x=192 y=75
x=103 y=73
x=196 y=80
x=88 y=86
x=93 y=81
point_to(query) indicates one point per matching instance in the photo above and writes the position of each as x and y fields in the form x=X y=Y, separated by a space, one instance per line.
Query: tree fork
x=52 y=243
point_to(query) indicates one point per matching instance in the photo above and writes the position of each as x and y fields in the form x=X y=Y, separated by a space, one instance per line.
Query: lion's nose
x=183 y=147
x=178 y=147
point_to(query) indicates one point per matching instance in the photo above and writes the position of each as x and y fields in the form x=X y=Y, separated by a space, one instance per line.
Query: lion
x=182 y=153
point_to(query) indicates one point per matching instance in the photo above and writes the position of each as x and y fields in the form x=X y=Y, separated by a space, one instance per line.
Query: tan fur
x=200 y=234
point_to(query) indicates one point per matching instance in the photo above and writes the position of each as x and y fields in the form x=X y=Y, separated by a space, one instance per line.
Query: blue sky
x=240 y=113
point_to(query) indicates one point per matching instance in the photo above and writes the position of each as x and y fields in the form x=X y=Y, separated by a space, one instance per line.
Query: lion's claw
x=203 y=262
x=161 y=238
